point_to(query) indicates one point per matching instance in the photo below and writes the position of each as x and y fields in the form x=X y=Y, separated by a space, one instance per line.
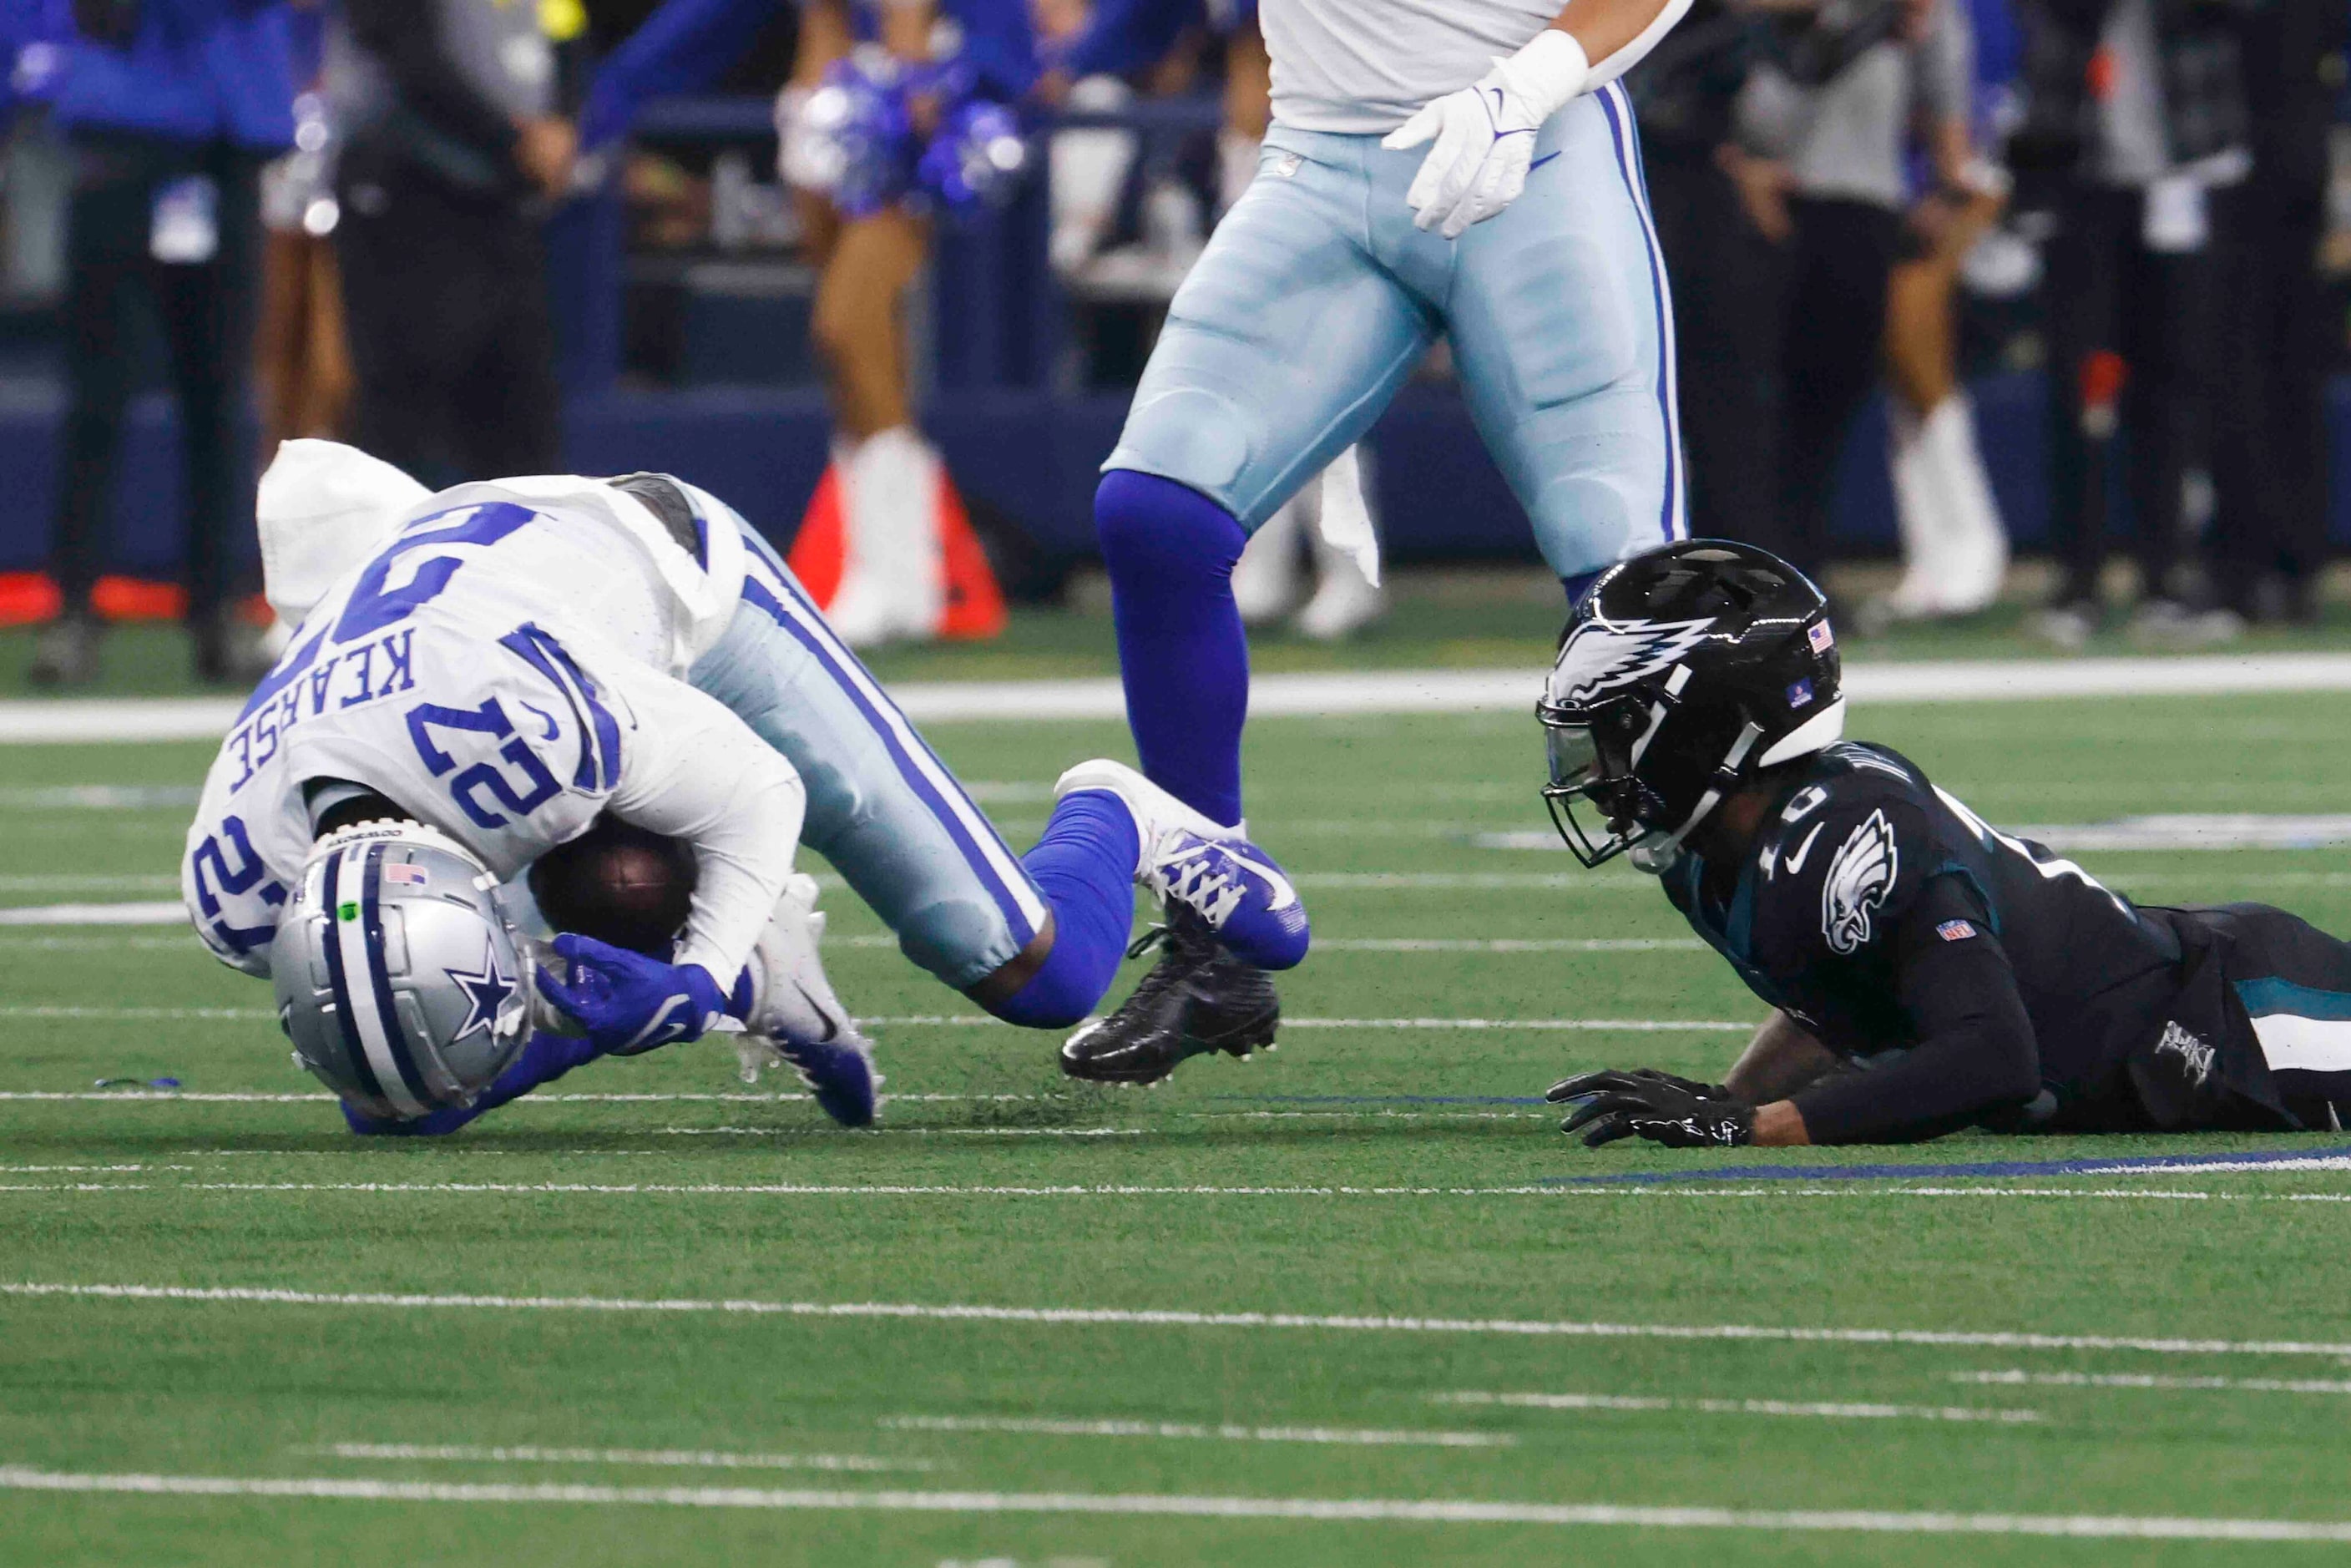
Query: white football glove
x=1485 y=134
x=792 y=1000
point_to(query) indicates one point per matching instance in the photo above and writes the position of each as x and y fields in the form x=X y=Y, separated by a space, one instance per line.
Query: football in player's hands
x=1647 y=1103
x=618 y=883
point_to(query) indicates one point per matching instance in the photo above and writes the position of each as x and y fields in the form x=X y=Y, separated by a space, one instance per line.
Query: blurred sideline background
x=2082 y=357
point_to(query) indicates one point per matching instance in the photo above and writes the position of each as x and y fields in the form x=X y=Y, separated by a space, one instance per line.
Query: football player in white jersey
x=1456 y=168
x=479 y=675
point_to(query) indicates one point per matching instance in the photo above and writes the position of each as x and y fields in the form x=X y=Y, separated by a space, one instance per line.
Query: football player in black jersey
x=1928 y=972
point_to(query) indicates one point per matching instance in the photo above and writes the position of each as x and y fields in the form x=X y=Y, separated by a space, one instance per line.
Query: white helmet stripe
x=360 y=992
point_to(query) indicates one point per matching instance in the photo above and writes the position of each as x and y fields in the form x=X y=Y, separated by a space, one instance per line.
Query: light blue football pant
x=882 y=808
x=1317 y=296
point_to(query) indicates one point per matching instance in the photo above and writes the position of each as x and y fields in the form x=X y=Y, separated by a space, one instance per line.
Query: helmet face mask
x=1682 y=672
x=1591 y=757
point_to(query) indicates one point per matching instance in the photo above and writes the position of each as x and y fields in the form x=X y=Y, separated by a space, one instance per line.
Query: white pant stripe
x=1676 y=471
x=1000 y=861
x=2293 y=1044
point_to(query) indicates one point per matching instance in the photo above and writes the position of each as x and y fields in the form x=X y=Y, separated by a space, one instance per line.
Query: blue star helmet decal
x=485 y=992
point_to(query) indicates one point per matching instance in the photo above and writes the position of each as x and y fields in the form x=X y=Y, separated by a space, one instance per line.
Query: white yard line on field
x=1357 y=1510
x=1184 y=1430
x=682 y=1458
x=1554 y=1191
x=978 y=1020
x=1167 y=1318
x=1839 y=1410
x=1442 y=691
x=135 y=1015
x=150 y=914
x=172 y=914
x=966 y=1131
x=184 y=942
x=2018 y=1377
x=1410 y=944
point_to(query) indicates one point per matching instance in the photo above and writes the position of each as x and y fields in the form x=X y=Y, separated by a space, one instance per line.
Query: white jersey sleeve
x=695 y=772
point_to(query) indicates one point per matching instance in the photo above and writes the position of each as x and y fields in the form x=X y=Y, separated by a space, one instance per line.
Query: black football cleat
x=1197 y=998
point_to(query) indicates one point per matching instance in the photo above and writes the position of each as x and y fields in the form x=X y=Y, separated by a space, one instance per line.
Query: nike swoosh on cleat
x=831 y=1024
x=1540 y=162
x=1284 y=896
x=1796 y=861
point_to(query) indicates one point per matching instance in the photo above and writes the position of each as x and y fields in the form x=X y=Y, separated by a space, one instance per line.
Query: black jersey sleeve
x=1975 y=1051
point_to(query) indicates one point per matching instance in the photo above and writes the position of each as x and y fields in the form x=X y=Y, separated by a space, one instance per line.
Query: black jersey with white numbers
x=1864 y=867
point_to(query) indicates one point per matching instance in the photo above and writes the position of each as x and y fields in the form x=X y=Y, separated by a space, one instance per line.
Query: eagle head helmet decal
x=1601 y=655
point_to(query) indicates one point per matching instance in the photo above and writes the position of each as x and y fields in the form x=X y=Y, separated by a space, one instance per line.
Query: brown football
x=620 y=884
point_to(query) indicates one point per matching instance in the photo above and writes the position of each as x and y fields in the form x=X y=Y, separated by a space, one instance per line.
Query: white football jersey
x=1365 y=67
x=506 y=668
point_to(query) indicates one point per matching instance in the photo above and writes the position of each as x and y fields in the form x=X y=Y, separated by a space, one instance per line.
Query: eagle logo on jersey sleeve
x=1860 y=876
x=1603 y=655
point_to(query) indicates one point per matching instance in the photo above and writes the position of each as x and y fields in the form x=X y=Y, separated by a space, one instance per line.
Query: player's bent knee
x=1056 y=997
x=1153 y=527
x=961 y=941
x=1583 y=522
x=1197 y=438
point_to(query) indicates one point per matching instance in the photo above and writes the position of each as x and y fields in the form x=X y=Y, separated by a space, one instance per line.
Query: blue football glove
x=544 y=1059
x=629 y=1003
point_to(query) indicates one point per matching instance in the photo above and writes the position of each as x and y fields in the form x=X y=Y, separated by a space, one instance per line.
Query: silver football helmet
x=400 y=978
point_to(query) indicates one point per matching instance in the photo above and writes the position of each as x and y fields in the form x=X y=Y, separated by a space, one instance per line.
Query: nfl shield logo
x=1954 y=930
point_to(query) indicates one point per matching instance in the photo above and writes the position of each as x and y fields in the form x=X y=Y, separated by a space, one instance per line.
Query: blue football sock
x=1181 y=650
x=1085 y=865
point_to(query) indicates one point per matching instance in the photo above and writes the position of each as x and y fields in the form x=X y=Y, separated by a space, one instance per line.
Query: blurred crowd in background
x=337 y=214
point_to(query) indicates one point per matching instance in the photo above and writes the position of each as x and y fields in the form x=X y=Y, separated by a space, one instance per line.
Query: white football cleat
x=795 y=1012
x=1190 y=859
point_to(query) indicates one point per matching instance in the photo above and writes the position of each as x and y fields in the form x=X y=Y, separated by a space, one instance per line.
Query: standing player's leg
x=1563 y=330
x=1281 y=346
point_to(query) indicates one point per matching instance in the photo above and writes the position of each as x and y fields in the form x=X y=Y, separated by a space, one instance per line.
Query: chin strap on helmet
x=1726 y=777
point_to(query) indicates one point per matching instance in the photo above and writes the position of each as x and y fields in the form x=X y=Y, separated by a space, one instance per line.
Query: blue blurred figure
x=171 y=108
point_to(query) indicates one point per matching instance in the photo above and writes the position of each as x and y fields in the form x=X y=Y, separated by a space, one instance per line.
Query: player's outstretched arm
x=1975 y=1054
x=1780 y=1059
x=1976 y=1051
x=1484 y=135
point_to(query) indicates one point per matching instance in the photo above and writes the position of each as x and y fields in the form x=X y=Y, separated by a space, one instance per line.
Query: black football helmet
x=1683 y=672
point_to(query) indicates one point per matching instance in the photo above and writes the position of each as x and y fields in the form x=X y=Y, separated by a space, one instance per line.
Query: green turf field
x=652 y=1360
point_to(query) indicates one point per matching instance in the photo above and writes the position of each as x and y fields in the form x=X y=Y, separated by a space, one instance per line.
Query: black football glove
x=1659 y=1106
